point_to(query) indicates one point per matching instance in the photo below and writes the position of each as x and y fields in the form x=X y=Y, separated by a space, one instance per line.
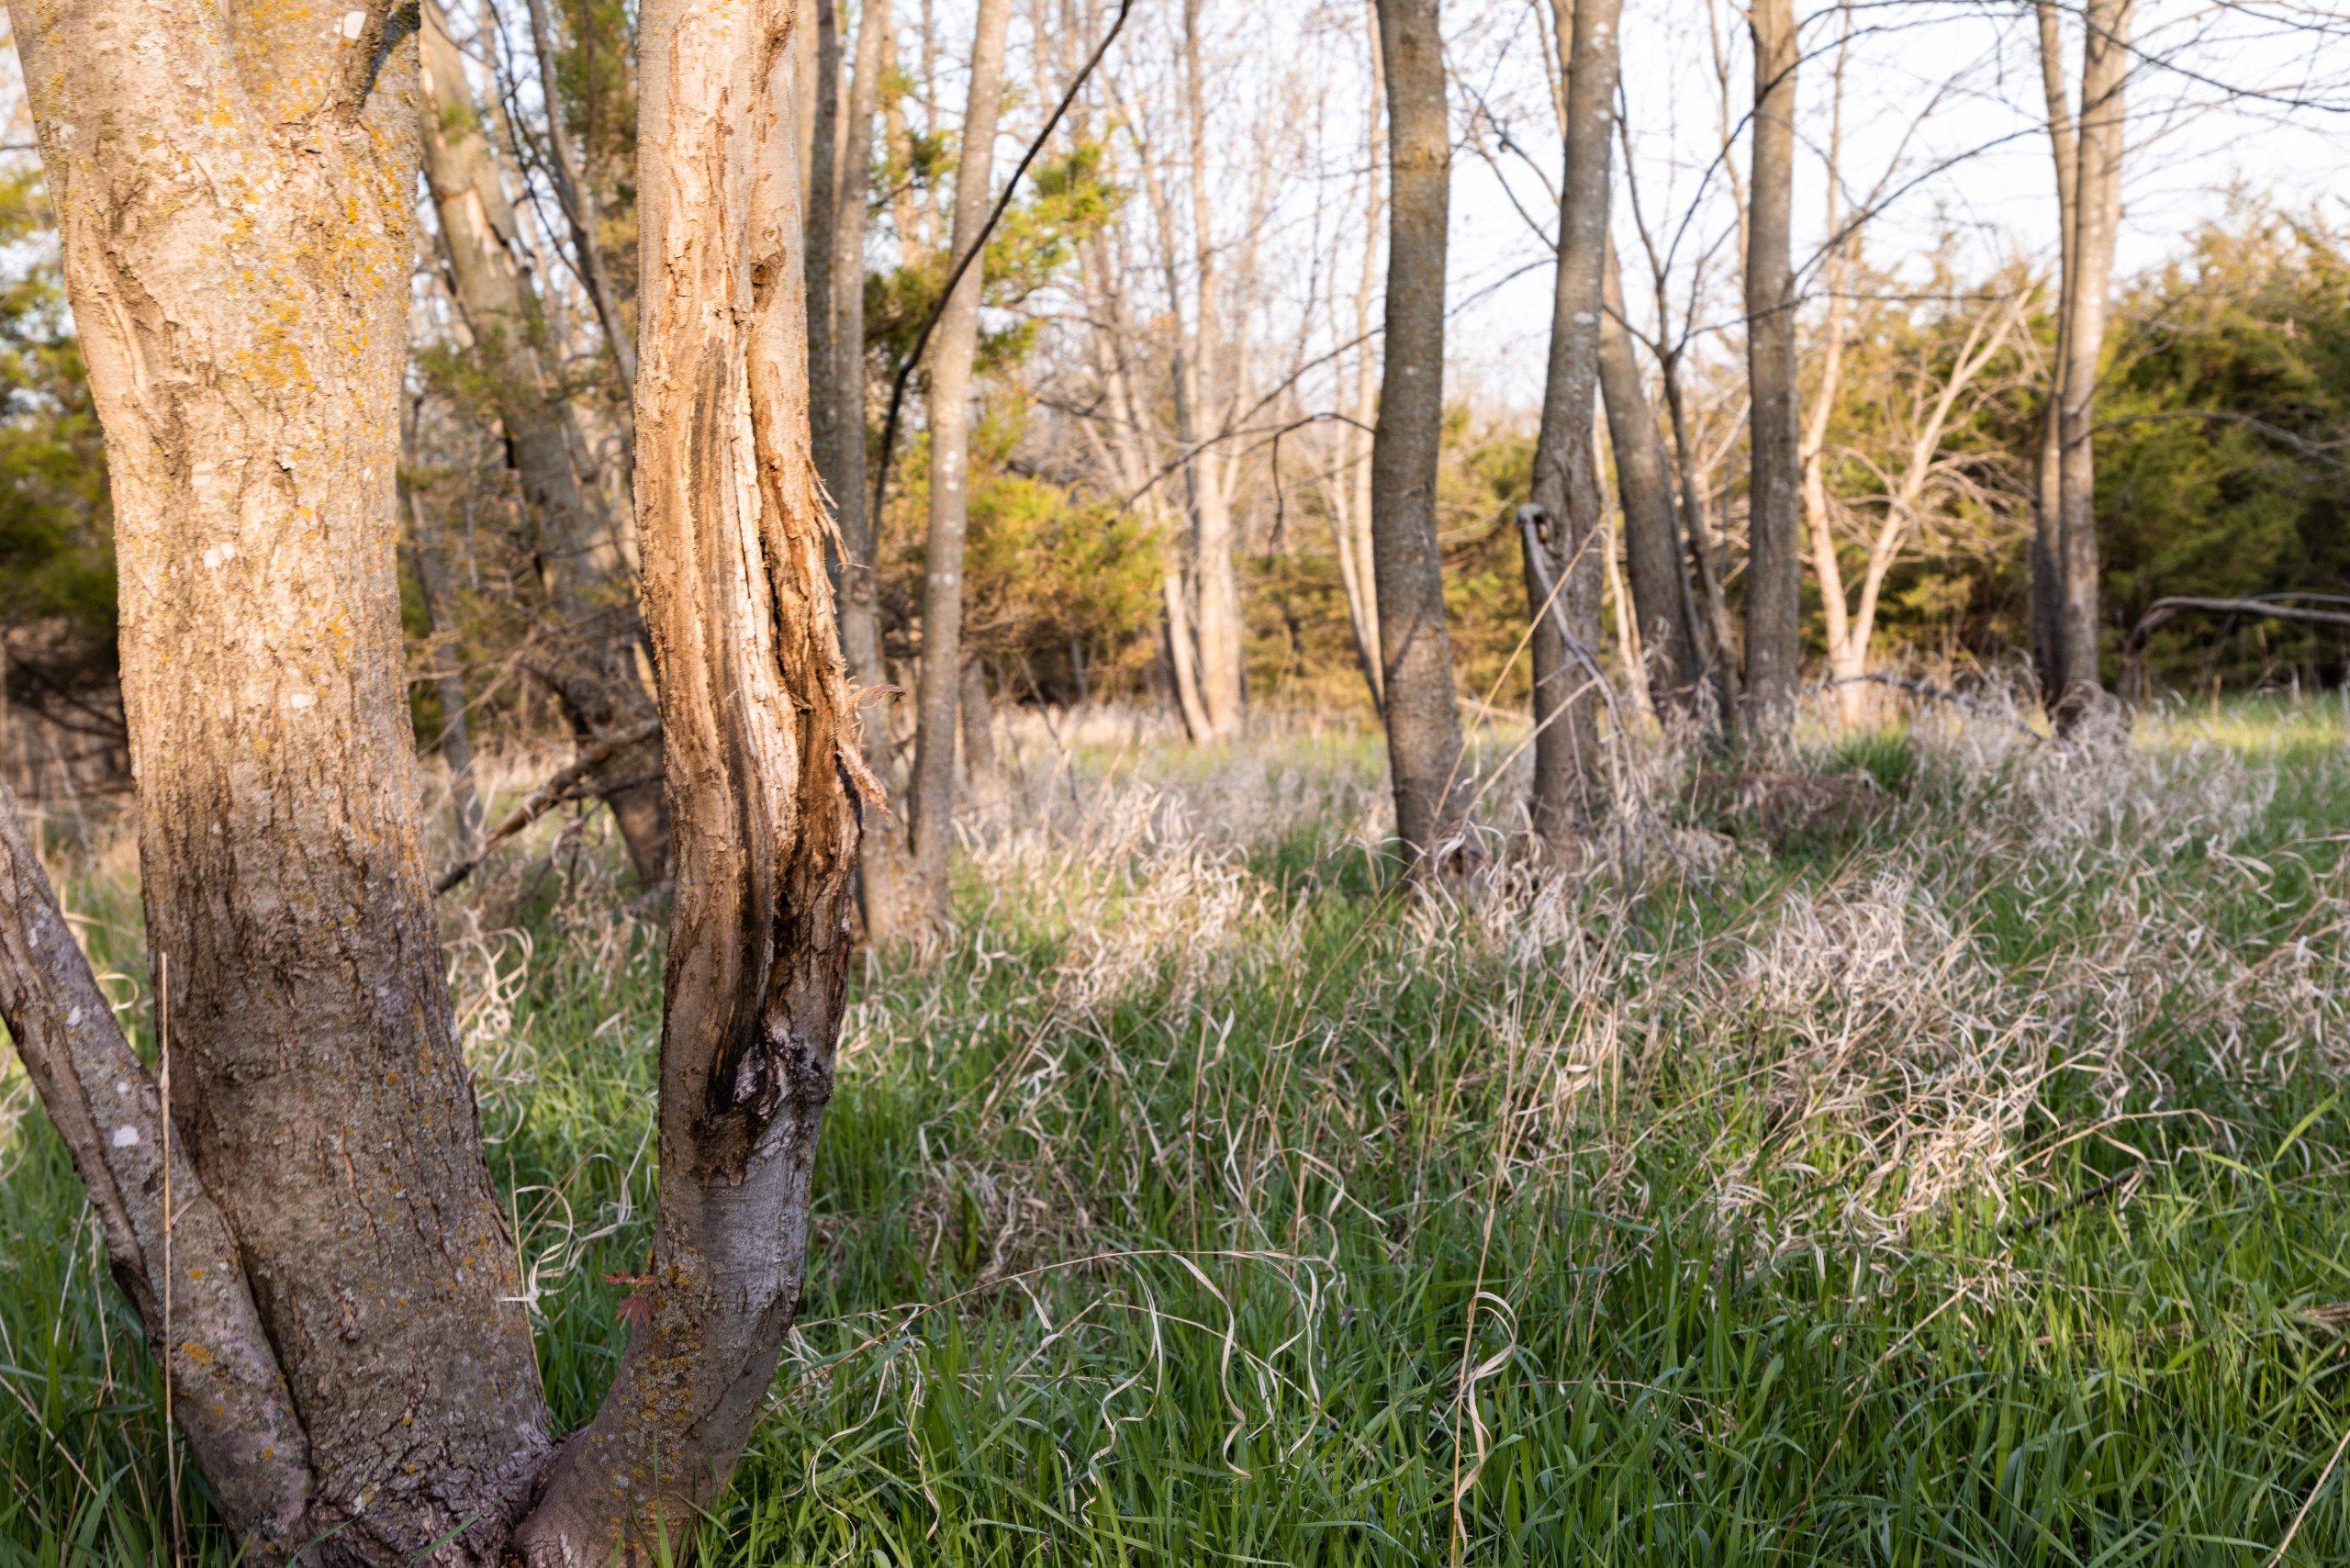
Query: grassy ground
x=1954 y=1180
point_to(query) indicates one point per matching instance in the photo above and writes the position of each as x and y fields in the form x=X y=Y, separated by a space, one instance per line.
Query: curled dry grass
x=1958 y=1181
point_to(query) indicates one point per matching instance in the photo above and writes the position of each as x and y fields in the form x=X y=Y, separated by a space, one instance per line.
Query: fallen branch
x=2271 y=606
x=546 y=798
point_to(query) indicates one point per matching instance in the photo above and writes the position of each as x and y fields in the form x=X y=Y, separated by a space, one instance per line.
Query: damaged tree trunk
x=309 y=1231
x=765 y=781
x=587 y=651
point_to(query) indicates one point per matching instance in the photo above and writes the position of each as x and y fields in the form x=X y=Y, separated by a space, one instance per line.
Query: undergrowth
x=1961 y=1185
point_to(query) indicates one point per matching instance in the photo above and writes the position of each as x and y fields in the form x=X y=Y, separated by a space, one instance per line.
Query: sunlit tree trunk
x=763 y=754
x=1415 y=645
x=239 y=286
x=953 y=351
x=586 y=652
x=1216 y=627
x=1774 y=595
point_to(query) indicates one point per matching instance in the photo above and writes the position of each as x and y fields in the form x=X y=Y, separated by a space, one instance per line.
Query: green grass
x=1967 y=1189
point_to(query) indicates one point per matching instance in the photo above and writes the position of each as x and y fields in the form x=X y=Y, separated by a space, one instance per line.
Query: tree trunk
x=836 y=226
x=587 y=651
x=1774 y=574
x=2105 y=70
x=2048 y=488
x=1662 y=606
x=954 y=346
x=765 y=789
x=1215 y=578
x=978 y=729
x=1566 y=494
x=1415 y=645
x=239 y=289
x=430 y=555
x=1366 y=387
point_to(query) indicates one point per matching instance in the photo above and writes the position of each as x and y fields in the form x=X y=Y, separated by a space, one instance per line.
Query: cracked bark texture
x=1416 y=645
x=1567 y=787
x=587 y=650
x=233 y=183
x=764 y=781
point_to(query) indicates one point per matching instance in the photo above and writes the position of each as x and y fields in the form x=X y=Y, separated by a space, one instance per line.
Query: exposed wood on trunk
x=954 y=350
x=235 y=222
x=756 y=708
x=1416 y=645
x=186 y=1279
x=2105 y=71
x=1774 y=577
x=589 y=654
x=1566 y=532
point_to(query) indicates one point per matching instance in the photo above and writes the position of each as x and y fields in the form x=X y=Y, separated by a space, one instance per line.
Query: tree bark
x=880 y=869
x=1415 y=645
x=765 y=786
x=955 y=345
x=1566 y=492
x=1662 y=609
x=234 y=220
x=1207 y=471
x=2105 y=70
x=1773 y=579
x=2048 y=488
x=587 y=654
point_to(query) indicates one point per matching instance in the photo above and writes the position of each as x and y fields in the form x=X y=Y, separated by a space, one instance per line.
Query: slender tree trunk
x=1415 y=645
x=587 y=653
x=978 y=729
x=954 y=346
x=1774 y=577
x=765 y=786
x=1662 y=606
x=1719 y=634
x=1217 y=623
x=1360 y=436
x=240 y=292
x=1566 y=491
x=2105 y=71
x=2048 y=490
x=430 y=555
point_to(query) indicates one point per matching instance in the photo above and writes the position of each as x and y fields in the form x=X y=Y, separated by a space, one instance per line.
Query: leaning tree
x=306 y=1225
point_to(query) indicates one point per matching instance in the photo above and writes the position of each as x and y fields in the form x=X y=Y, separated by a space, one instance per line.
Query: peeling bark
x=765 y=782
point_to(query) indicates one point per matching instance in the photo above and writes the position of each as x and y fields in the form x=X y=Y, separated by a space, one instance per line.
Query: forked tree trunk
x=587 y=650
x=2097 y=192
x=1773 y=576
x=956 y=346
x=1566 y=494
x=763 y=754
x=2048 y=487
x=1415 y=645
x=234 y=217
x=333 y=1297
x=1662 y=606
